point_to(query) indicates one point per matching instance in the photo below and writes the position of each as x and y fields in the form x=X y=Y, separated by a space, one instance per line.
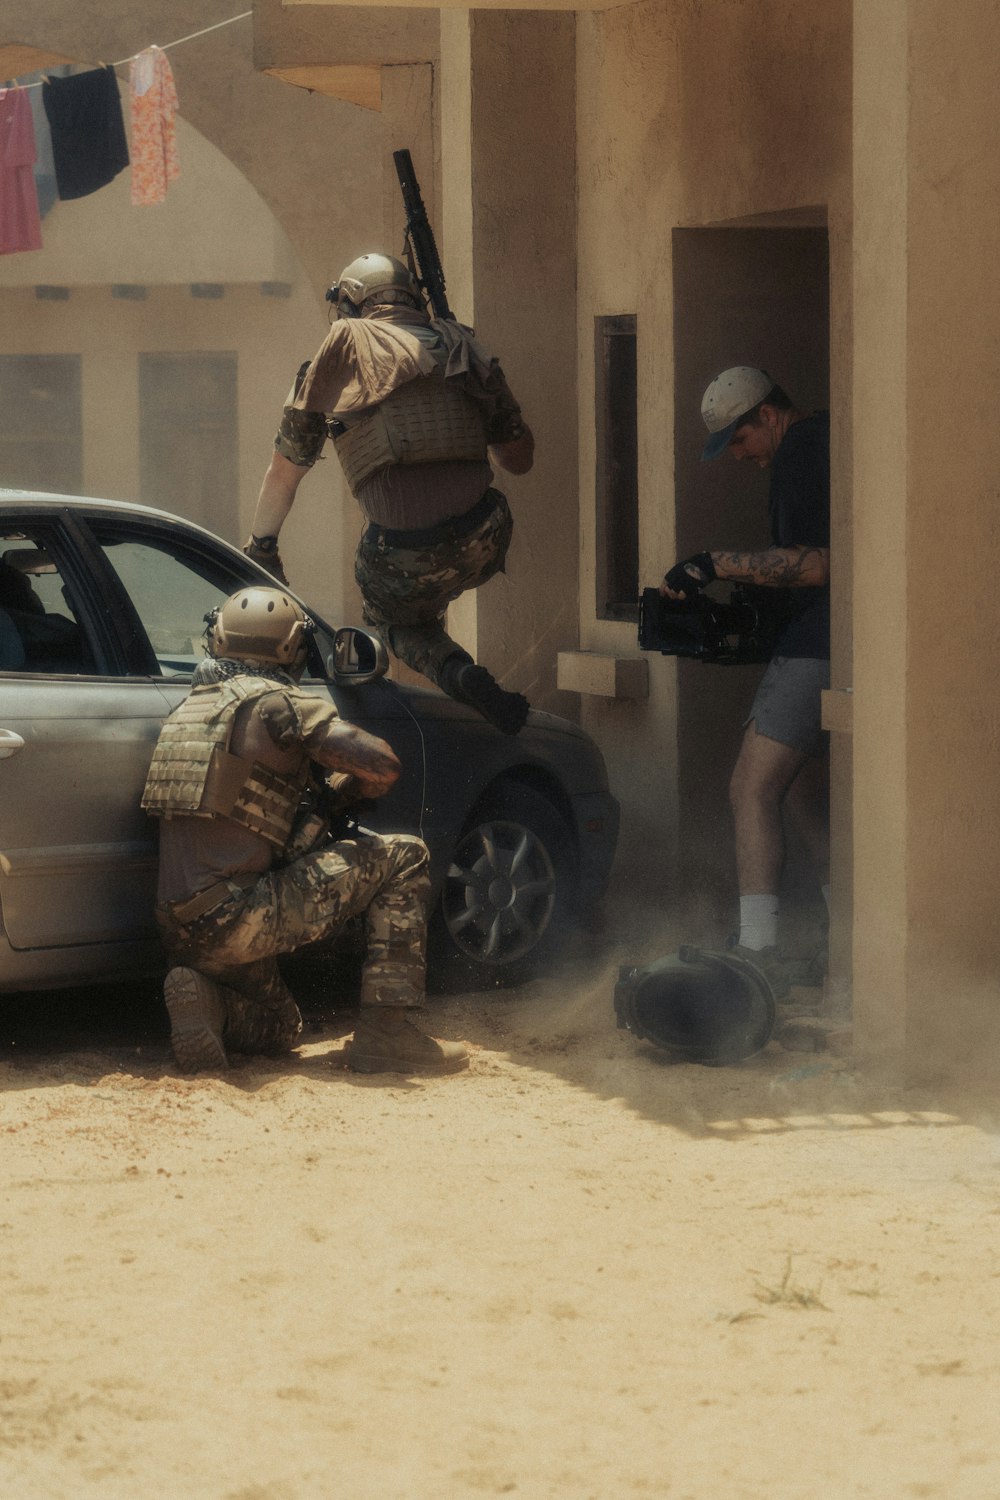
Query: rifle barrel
x=418 y=229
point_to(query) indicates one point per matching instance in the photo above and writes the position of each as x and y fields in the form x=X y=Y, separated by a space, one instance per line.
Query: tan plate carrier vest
x=428 y=420
x=194 y=772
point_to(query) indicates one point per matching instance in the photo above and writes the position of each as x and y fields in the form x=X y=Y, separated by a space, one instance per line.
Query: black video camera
x=732 y=632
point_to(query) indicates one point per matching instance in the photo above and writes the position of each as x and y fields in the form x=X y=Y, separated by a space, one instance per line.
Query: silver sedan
x=102 y=607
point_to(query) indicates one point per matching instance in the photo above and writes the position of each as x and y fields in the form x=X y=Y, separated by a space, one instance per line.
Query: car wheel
x=509 y=895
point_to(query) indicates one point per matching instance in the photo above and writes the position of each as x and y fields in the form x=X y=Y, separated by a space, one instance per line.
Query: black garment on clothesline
x=88 y=131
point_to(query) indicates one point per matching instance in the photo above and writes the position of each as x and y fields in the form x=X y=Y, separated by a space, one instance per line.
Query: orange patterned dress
x=153 y=103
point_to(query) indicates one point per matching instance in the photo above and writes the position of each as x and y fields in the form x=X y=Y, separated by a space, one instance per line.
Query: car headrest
x=29 y=560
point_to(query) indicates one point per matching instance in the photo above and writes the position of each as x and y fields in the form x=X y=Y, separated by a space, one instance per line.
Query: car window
x=171 y=589
x=40 y=627
x=172 y=585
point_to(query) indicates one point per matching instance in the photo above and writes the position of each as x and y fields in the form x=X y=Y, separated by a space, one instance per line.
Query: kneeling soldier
x=229 y=779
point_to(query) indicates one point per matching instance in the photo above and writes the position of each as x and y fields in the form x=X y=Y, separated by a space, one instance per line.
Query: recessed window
x=188 y=458
x=617 y=486
x=41 y=427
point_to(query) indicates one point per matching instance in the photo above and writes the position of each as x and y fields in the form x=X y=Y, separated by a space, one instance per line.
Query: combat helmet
x=260 y=625
x=370 y=276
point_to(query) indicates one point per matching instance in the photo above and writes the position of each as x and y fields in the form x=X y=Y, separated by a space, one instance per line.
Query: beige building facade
x=813 y=188
x=629 y=199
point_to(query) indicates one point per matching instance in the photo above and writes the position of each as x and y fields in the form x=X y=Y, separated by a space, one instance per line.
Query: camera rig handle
x=734 y=632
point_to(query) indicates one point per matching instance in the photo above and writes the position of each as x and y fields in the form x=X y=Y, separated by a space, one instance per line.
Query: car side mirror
x=356 y=658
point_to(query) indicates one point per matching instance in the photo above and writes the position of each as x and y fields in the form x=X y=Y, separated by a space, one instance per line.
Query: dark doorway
x=741 y=297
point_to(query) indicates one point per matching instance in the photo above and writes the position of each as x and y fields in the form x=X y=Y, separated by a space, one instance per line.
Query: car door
x=77 y=862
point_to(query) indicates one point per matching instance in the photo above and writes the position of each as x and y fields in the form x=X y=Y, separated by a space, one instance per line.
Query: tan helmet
x=260 y=624
x=370 y=275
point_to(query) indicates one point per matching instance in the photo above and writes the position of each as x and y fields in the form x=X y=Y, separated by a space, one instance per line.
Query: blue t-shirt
x=799 y=505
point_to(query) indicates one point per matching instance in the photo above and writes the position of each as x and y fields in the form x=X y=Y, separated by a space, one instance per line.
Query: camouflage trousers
x=380 y=877
x=406 y=590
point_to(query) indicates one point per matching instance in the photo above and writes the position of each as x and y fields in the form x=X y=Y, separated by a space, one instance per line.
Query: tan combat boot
x=386 y=1041
x=197 y=1019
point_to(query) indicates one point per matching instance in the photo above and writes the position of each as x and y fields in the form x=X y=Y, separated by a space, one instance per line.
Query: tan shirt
x=360 y=363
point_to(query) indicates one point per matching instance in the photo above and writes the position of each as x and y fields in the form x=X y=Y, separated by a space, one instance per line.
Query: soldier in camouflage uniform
x=417 y=411
x=248 y=869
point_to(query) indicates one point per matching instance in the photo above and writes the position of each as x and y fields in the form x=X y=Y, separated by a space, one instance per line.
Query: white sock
x=826 y=895
x=758 y=922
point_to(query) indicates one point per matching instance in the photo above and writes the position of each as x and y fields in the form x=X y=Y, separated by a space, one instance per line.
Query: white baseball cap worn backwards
x=727 y=400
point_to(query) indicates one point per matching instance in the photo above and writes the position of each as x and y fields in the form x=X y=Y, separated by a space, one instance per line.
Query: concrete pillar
x=509 y=222
x=926 y=539
x=408 y=121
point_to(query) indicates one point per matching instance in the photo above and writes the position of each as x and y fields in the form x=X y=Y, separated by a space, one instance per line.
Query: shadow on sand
x=563 y=1026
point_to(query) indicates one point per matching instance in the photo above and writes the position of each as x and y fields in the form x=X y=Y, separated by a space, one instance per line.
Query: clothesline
x=192 y=36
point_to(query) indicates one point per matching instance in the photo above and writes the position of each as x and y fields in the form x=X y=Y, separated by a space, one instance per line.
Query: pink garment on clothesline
x=20 y=225
x=153 y=105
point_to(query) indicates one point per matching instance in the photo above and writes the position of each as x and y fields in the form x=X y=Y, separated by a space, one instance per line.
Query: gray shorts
x=787 y=705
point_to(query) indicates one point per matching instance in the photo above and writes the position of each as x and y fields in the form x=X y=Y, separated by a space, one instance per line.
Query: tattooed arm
x=296 y=719
x=344 y=748
x=777 y=567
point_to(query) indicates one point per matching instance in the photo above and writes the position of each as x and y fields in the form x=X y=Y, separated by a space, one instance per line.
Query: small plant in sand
x=788 y=1293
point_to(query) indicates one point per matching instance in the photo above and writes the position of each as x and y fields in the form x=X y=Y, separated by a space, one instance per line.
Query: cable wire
x=191 y=37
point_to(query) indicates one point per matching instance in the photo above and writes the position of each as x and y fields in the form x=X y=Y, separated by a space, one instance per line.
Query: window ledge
x=602 y=676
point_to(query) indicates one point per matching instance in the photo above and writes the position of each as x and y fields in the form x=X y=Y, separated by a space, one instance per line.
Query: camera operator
x=782 y=759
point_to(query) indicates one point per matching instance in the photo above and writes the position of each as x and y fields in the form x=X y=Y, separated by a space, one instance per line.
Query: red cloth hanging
x=20 y=225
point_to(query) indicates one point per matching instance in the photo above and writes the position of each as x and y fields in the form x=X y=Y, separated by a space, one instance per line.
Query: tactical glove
x=264 y=550
x=692 y=575
x=342 y=791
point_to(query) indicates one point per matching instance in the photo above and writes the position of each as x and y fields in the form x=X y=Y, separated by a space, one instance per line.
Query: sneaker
x=772 y=963
x=197 y=1018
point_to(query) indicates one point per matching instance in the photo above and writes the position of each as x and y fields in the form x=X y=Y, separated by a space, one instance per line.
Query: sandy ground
x=576 y=1270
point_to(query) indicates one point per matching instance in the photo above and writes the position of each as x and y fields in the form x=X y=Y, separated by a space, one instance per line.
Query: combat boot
x=197 y=1019
x=468 y=683
x=386 y=1041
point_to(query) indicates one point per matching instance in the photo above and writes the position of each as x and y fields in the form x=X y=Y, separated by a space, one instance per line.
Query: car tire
x=508 y=900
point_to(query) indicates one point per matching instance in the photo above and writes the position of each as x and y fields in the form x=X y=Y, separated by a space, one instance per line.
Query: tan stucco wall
x=508 y=248
x=316 y=36
x=694 y=115
x=927 y=723
x=881 y=480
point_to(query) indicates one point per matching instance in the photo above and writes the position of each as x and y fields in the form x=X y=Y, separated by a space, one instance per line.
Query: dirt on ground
x=576 y=1270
